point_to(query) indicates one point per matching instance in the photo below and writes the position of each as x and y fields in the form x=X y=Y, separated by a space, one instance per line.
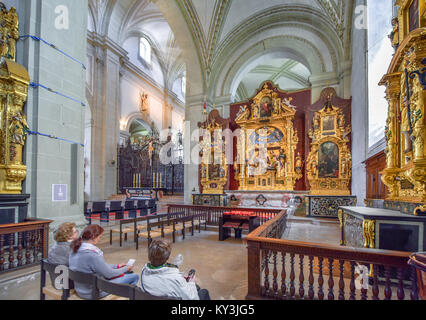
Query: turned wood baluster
x=11 y=251
x=283 y=277
x=330 y=280
x=375 y=282
x=2 y=260
x=352 y=284
x=320 y=279
x=414 y=295
x=388 y=290
x=292 y=277
x=341 y=281
x=301 y=278
x=28 y=248
x=266 y=283
x=39 y=244
x=311 y=292
x=20 y=255
x=400 y=292
x=275 y=276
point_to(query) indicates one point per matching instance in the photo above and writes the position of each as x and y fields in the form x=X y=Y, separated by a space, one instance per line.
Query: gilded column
x=392 y=82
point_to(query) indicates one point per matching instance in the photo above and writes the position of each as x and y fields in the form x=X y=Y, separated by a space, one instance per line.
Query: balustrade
x=23 y=244
x=352 y=273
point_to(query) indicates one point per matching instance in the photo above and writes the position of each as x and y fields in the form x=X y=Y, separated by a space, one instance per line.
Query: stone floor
x=221 y=266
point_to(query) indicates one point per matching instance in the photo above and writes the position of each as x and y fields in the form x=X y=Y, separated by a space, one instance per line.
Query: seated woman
x=88 y=258
x=60 y=252
x=161 y=279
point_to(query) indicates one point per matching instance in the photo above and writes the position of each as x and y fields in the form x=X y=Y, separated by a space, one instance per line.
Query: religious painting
x=266 y=135
x=216 y=172
x=266 y=107
x=328 y=123
x=413 y=14
x=328 y=160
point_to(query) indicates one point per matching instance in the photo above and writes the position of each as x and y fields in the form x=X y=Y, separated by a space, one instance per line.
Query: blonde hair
x=64 y=232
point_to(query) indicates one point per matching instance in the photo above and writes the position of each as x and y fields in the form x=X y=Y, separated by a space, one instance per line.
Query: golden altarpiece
x=329 y=164
x=405 y=173
x=14 y=81
x=213 y=168
x=266 y=144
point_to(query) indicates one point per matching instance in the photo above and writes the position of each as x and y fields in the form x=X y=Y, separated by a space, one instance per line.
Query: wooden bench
x=122 y=230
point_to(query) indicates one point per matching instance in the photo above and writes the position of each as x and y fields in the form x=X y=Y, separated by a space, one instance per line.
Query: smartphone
x=191 y=274
x=131 y=262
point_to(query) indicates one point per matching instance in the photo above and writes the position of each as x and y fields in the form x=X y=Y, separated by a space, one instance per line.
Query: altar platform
x=270 y=199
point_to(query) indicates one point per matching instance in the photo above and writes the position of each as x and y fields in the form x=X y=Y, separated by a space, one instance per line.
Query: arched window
x=380 y=53
x=145 y=50
x=183 y=85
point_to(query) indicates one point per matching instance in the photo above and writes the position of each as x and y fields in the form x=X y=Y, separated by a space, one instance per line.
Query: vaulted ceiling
x=233 y=38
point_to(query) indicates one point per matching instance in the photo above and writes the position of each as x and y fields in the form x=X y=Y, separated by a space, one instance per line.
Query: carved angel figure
x=242 y=114
x=288 y=101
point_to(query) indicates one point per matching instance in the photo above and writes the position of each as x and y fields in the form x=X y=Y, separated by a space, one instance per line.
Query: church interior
x=275 y=147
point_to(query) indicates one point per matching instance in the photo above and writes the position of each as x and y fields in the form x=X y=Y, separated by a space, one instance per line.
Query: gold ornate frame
x=211 y=145
x=14 y=81
x=405 y=173
x=322 y=133
x=281 y=118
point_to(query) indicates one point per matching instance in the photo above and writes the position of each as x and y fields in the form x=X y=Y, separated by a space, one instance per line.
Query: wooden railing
x=272 y=273
x=23 y=244
x=214 y=213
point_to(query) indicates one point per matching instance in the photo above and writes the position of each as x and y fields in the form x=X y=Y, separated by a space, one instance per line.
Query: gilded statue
x=394 y=35
x=255 y=111
x=299 y=163
x=13 y=125
x=18 y=128
x=9 y=26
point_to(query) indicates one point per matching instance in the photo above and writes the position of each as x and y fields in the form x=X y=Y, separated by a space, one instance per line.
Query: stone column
x=106 y=118
x=359 y=91
x=193 y=115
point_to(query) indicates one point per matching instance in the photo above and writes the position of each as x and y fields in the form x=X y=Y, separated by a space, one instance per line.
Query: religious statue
x=9 y=28
x=394 y=35
x=242 y=114
x=203 y=172
x=299 y=163
x=18 y=128
x=255 y=113
x=144 y=103
x=276 y=106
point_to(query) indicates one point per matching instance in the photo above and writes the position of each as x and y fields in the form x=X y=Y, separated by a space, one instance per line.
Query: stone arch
x=290 y=28
x=145 y=120
x=291 y=47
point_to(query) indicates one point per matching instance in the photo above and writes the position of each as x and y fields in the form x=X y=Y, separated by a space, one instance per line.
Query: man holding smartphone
x=161 y=279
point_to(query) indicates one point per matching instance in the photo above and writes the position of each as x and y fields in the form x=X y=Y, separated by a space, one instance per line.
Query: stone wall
x=359 y=110
x=49 y=161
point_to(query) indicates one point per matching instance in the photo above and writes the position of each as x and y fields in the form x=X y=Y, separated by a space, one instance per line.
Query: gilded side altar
x=329 y=164
x=266 y=145
x=14 y=81
x=405 y=173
